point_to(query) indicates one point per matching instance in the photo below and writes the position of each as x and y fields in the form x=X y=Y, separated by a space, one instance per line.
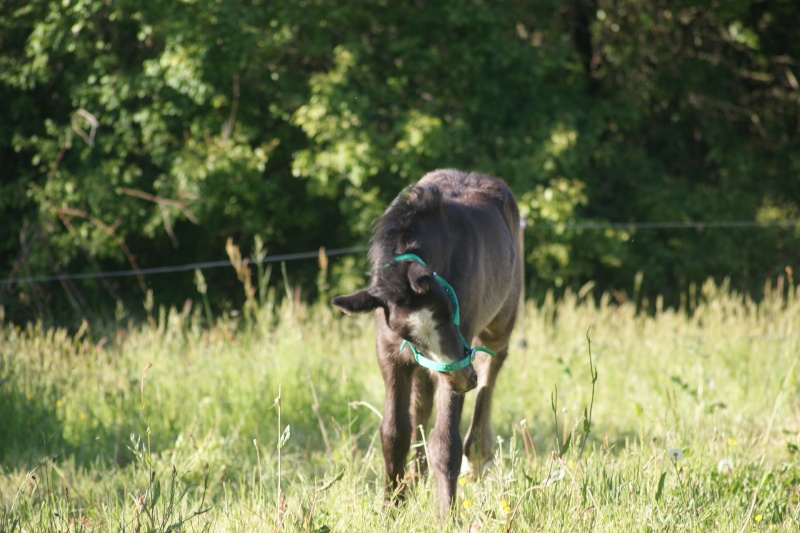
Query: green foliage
x=143 y=135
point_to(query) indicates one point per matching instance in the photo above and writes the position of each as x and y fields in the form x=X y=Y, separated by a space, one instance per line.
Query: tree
x=145 y=135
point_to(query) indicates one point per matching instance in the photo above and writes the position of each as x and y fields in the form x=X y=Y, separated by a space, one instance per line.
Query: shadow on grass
x=29 y=425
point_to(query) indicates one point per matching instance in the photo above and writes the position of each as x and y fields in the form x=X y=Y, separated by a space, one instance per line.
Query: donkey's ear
x=419 y=278
x=358 y=302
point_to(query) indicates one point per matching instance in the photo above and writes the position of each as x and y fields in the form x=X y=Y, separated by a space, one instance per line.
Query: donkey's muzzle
x=462 y=381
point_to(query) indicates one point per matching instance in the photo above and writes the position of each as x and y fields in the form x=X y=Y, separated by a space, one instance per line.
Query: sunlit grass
x=695 y=424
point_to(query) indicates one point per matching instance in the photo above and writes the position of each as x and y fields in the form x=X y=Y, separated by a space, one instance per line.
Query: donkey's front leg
x=421 y=407
x=395 y=427
x=445 y=445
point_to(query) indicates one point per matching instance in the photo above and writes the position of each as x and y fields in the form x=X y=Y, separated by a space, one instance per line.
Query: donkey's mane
x=391 y=233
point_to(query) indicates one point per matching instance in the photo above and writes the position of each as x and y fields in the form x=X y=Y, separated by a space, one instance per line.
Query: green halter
x=451 y=293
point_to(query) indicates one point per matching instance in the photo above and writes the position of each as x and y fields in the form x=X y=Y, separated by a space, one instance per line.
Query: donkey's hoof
x=471 y=470
x=466 y=468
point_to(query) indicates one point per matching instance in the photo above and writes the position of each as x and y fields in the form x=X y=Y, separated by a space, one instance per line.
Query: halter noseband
x=451 y=293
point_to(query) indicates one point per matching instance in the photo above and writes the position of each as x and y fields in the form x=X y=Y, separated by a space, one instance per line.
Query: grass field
x=271 y=424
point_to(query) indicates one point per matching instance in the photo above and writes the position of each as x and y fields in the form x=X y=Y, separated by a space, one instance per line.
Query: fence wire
x=590 y=226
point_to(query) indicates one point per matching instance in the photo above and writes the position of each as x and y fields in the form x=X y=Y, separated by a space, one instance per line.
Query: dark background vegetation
x=143 y=134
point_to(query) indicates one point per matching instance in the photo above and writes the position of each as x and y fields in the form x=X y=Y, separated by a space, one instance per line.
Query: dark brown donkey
x=446 y=269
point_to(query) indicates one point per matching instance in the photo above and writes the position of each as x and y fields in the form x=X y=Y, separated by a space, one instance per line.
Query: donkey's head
x=417 y=307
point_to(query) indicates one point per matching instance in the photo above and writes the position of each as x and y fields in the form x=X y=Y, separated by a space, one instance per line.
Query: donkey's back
x=483 y=221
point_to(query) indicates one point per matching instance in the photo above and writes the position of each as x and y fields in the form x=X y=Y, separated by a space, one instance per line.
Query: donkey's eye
x=451 y=311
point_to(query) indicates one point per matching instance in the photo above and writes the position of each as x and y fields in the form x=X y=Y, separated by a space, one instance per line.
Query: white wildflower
x=555 y=475
x=725 y=466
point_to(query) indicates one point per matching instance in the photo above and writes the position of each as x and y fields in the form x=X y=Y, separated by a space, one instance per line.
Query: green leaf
x=331 y=482
x=565 y=446
x=660 y=489
x=284 y=437
x=156 y=492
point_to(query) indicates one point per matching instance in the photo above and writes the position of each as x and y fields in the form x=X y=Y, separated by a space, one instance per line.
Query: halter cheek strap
x=451 y=293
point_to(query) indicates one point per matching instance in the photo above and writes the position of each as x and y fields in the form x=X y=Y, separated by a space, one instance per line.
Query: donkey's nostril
x=473 y=379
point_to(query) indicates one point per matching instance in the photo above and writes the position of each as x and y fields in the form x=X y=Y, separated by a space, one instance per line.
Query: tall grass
x=268 y=421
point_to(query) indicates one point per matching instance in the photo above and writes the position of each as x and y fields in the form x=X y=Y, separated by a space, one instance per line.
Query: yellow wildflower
x=758 y=518
x=467 y=504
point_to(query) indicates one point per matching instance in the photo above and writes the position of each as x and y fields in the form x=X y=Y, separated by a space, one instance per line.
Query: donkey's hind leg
x=480 y=437
x=420 y=411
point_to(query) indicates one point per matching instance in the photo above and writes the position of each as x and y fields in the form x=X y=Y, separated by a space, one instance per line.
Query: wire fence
x=183 y=268
x=695 y=225
x=589 y=226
